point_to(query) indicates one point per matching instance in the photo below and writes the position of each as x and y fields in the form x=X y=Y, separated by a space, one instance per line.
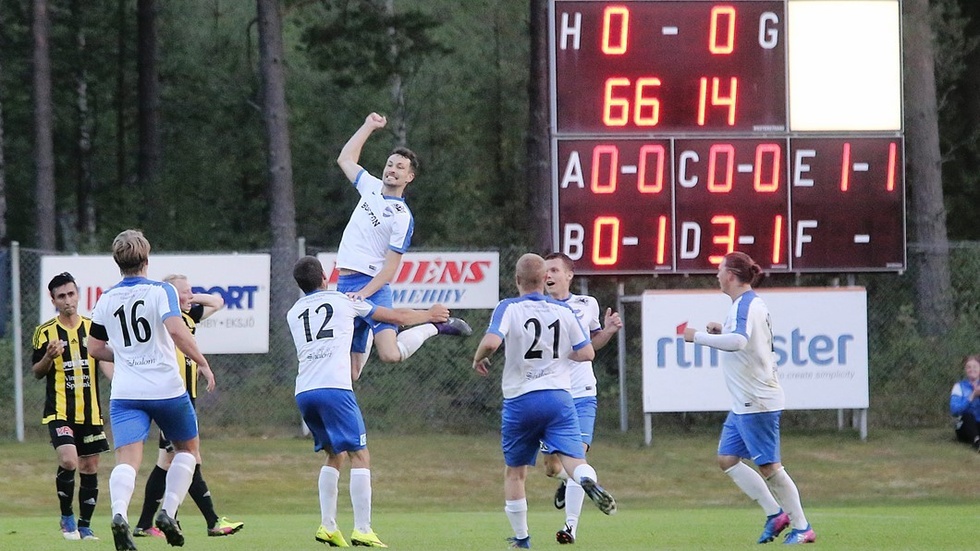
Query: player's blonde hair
x=130 y=250
x=530 y=272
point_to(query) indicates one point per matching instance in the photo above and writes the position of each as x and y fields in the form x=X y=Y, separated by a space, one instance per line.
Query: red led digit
x=892 y=153
x=611 y=104
x=599 y=154
x=644 y=103
x=642 y=183
x=661 y=239
x=728 y=151
x=727 y=238
x=621 y=17
x=605 y=225
x=845 y=167
x=777 y=239
x=717 y=99
x=724 y=16
x=762 y=151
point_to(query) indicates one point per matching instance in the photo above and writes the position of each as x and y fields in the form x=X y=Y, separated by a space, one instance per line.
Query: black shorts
x=87 y=439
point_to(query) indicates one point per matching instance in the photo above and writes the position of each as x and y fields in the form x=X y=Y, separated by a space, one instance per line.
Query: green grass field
x=898 y=490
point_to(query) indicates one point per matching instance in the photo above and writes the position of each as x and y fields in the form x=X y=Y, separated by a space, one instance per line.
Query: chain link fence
x=436 y=391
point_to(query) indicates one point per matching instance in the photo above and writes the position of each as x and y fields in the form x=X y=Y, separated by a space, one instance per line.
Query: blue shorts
x=130 y=419
x=353 y=283
x=752 y=436
x=543 y=419
x=586 y=408
x=334 y=419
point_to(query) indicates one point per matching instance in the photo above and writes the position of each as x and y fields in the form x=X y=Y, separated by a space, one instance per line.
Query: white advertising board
x=242 y=280
x=454 y=279
x=820 y=341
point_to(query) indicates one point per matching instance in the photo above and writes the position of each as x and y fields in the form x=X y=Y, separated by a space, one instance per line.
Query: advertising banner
x=242 y=280
x=457 y=280
x=820 y=343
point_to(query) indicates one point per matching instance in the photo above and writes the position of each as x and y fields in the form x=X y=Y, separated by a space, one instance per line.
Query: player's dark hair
x=744 y=268
x=308 y=273
x=408 y=154
x=568 y=262
x=61 y=279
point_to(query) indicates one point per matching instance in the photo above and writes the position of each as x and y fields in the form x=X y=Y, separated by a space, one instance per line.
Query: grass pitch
x=899 y=490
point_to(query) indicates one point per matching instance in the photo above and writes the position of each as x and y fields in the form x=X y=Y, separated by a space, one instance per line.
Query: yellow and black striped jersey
x=72 y=392
x=187 y=366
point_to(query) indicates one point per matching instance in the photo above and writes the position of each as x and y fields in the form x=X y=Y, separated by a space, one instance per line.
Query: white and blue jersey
x=960 y=403
x=586 y=309
x=322 y=326
x=750 y=368
x=539 y=334
x=129 y=316
x=378 y=224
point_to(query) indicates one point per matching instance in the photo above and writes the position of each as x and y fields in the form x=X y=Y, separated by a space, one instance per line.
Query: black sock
x=202 y=497
x=64 y=482
x=88 y=495
x=156 y=485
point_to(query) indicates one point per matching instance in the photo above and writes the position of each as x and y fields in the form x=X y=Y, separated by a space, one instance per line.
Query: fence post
x=18 y=339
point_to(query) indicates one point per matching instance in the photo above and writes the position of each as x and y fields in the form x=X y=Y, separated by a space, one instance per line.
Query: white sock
x=574 y=498
x=122 y=482
x=584 y=470
x=788 y=495
x=517 y=515
x=328 y=485
x=751 y=482
x=412 y=339
x=360 y=498
x=179 y=478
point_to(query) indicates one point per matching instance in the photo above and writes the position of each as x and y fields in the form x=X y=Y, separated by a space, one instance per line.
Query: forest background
x=213 y=125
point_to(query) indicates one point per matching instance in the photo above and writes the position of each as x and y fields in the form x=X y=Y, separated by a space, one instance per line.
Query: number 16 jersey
x=129 y=316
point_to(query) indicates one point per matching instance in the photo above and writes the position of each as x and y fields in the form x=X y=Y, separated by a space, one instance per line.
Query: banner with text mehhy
x=820 y=342
x=242 y=280
x=457 y=280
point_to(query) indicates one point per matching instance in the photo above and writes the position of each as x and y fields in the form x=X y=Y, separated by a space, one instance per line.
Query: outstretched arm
x=406 y=316
x=351 y=153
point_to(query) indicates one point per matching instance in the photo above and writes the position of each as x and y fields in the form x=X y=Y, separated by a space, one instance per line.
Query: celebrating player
x=538 y=410
x=377 y=235
x=751 y=430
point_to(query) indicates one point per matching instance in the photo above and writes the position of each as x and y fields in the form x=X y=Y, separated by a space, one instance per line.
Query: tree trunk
x=930 y=248
x=148 y=90
x=121 y=96
x=538 y=143
x=85 y=204
x=398 y=123
x=282 y=215
x=43 y=124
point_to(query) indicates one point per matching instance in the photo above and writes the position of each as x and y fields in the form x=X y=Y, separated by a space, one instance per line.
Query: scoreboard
x=684 y=129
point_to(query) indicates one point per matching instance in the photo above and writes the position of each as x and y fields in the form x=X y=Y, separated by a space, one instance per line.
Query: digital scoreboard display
x=685 y=129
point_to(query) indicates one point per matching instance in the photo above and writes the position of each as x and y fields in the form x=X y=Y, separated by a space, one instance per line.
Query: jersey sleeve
x=499 y=324
x=592 y=318
x=958 y=403
x=196 y=312
x=576 y=333
x=363 y=307
x=168 y=305
x=366 y=184
x=39 y=343
x=402 y=228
